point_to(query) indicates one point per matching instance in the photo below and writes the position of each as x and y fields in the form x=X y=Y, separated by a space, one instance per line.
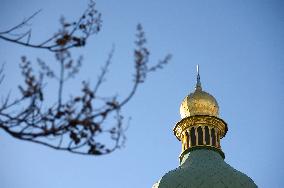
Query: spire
x=198 y=83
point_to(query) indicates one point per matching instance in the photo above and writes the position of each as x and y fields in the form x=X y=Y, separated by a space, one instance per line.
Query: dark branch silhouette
x=73 y=34
x=80 y=124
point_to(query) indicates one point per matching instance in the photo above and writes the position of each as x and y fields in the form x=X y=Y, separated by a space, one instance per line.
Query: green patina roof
x=204 y=168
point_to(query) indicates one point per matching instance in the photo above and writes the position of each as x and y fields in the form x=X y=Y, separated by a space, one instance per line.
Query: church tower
x=202 y=162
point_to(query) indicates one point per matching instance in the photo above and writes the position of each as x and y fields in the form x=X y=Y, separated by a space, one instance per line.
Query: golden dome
x=199 y=103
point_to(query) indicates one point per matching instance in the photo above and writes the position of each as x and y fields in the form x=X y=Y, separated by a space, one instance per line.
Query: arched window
x=207 y=135
x=213 y=137
x=200 y=136
x=192 y=137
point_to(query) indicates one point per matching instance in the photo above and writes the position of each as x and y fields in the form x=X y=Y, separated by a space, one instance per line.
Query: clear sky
x=240 y=48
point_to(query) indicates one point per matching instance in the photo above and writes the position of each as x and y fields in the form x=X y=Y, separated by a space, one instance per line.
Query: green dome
x=204 y=168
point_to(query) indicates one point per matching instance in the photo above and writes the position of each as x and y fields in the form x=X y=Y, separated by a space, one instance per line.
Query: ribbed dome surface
x=204 y=168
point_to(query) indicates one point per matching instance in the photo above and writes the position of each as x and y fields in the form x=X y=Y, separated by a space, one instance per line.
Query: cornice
x=200 y=120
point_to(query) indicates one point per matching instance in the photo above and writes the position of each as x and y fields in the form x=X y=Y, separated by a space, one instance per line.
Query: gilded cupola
x=200 y=126
x=199 y=102
x=202 y=160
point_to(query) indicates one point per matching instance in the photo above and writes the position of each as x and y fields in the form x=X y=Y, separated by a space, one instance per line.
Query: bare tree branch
x=20 y=25
x=85 y=124
x=73 y=34
x=104 y=70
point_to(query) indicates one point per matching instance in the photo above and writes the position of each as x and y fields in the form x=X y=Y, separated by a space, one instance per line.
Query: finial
x=198 y=83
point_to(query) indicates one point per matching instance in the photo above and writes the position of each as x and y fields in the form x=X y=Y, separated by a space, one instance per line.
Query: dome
x=199 y=103
x=202 y=162
x=204 y=169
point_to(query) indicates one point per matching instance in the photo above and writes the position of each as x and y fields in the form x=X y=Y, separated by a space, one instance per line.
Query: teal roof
x=204 y=168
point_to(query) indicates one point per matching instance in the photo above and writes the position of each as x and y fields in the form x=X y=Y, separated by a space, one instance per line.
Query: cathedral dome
x=204 y=169
x=202 y=162
x=199 y=103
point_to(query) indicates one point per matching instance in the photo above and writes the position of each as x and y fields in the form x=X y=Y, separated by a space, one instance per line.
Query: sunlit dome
x=199 y=103
x=202 y=162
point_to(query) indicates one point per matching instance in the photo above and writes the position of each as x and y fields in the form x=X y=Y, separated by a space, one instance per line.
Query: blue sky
x=240 y=48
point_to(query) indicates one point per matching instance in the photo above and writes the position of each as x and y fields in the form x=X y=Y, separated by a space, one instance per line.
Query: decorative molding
x=200 y=120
